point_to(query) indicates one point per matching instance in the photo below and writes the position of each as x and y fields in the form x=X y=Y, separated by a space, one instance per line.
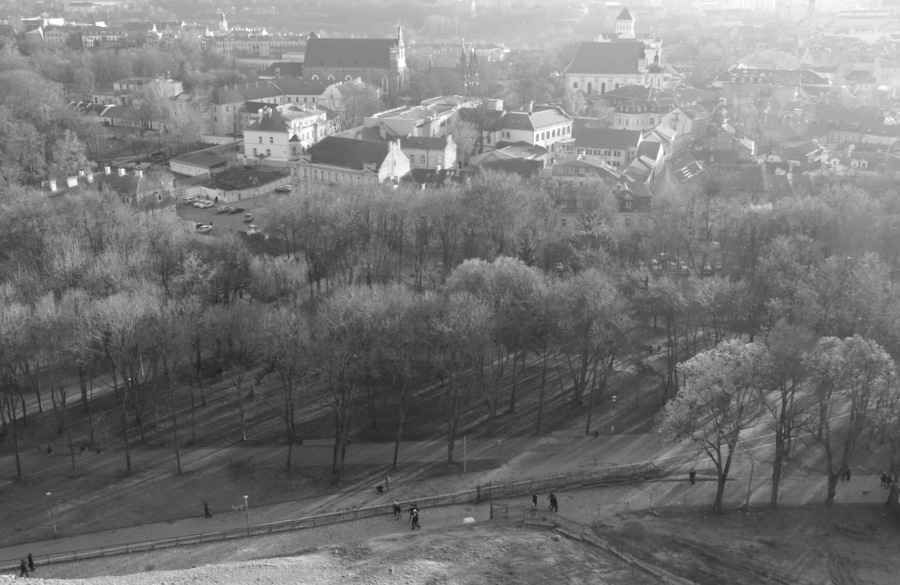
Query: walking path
x=525 y=457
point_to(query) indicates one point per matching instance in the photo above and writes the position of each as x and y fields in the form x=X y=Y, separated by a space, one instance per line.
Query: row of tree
x=843 y=393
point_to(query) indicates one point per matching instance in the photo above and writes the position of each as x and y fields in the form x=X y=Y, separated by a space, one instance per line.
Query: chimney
x=107 y=169
x=530 y=107
x=52 y=185
x=121 y=171
x=71 y=181
x=138 y=172
x=81 y=173
x=90 y=178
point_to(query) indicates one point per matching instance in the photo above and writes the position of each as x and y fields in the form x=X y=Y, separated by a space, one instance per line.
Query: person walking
x=387 y=482
x=534 y=499
x=847 y=474
x=30 y=562
x=413 y=509
x=415 y=520
x=693 y=476
x=883 y=479
x=554 y=505
x=23 y=567
x=49 y=450
x=206 y=513
x=398 y=511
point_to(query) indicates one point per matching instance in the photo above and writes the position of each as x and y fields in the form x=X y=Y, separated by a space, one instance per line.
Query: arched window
x=315 y=78
x=590 y=87
x=331 y=78
x=603 y=88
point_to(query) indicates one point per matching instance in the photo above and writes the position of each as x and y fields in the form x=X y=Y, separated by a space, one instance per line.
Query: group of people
x=554 y=504
x=26 y=566
x=413 y=514
x=845 y=475
x=886 y=480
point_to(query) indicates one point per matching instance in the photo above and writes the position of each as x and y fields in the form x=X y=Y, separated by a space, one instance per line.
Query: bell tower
x=625 y=24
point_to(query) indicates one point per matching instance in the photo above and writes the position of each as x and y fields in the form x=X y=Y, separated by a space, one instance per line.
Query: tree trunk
x=174 y=422
x=123 y=411
x=540 y=412
x=10 y=406
x=82 y=384
x=399 y=433
x=776 y=467
x=512 y=396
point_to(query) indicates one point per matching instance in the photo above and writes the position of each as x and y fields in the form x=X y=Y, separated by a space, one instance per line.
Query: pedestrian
x=693 y=476
x=23 y=567
x=534 y=501
x=206 y=513
x=554 y=505
x=415 y=520
x=387 y=482
x=83 y=448
x=890 y=482
x=49 y=450
x=398 y=511
x=413 y=509
x=30 y=562
x=847 y=473
x=882 y=479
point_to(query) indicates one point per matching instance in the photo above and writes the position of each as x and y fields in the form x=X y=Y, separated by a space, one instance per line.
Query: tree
x=69 y=155
x=465 y=136
x=720 y=398
x=850 y=377
x=788 y=406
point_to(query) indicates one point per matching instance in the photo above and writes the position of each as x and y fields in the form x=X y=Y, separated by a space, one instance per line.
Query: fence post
x=478 y=495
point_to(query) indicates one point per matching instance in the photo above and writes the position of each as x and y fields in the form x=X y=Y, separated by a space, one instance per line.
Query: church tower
x=625 y=24
x=223 y=24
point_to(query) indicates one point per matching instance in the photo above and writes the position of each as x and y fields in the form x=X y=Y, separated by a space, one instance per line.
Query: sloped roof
x=491 y=119
x=348 y=153
x=516 y=166
x=624 y=15
x=424 y=142
x=684 y=166
x=586 y=135
x=201 y=160
x=533 y=121
x=607 y=58
x=274 y=122
x=283 y=68
x=349 y=53
x=649 y=149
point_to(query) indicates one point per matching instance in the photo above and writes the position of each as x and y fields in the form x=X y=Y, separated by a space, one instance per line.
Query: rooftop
x=349 y=53
x=348 y=152
x=617 y=58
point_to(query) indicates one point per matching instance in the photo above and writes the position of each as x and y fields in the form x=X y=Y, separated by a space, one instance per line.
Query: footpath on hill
x=524 y=457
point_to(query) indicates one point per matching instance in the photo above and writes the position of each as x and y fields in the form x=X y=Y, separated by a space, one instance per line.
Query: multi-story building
x=337 y=161
x=437 y=152
x=617 y=148
x=283 y=133
x=543 y=126
x=638 y=107
x=269 y=46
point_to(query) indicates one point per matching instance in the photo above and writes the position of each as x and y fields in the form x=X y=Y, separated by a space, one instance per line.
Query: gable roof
x=584 y=134
x=624 y=15
x=607 y=58
x=348 y=153
x=283 y=68
x=273 y=122
x=349 y=53
x=515 y=166
x=424 y=142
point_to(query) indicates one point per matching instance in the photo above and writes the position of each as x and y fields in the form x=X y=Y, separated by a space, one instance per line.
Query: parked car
x=252 y=229
x=202 y=204
x=235 y=210
x=191 y=199
x=224 y=209
x=284 y=189
x=203 y=228
x=248 y=218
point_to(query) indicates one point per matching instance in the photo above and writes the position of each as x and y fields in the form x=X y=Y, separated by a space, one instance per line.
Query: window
x=260 y=139
x=271 y=140
x=412 y=159
x=562 y=222
x=628 y=205
x=581 y=171
x=254 y=152
x=422 y=158
x=575 y=85
x=268 y=152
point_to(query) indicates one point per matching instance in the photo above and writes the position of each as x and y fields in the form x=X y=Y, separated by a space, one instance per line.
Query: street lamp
x=52 y=514
x=614 y=414
x=247 y=513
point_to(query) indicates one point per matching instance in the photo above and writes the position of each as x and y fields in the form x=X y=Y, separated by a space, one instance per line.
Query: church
x=381 y=62
x=616 y=59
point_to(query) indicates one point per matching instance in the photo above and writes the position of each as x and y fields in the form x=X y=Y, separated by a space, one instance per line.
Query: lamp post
x=247 y=513
x=613 y=431
x=52 y=514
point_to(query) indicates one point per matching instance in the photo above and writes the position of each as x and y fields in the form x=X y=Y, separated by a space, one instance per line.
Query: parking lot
x=258 y=206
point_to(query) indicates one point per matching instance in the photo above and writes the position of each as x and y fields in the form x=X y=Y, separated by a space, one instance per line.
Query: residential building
x=134 y=187
x=542 y=126
x=437 y=152
x=432 y=118
x=283 y=133
x=337 y=160
x=615 y=147
x=638 y=107
x=242 y=45
x=381 y=62
x=198 y=164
